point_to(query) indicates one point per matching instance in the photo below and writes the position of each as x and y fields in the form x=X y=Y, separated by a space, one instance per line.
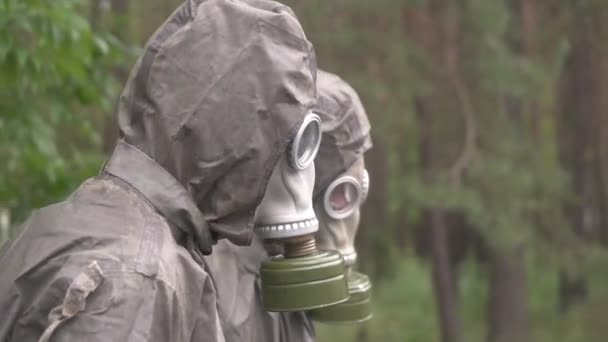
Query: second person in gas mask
x=341 y=187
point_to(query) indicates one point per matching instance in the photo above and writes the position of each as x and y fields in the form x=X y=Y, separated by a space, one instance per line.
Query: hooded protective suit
x=219 y=92
x=346 y=129
x=346 y=137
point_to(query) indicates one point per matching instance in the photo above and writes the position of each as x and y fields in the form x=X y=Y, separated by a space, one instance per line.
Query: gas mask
x=338 y=212
x=302 y=277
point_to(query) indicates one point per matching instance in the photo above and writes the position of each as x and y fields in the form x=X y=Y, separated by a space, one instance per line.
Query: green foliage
x=53 y=71
x=57 y=88
x=405 y=311
x=513 y=177
x=582 y=323
x=513 y=190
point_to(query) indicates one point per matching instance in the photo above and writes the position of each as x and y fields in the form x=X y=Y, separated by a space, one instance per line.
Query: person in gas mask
x=207 y=116
x=340 y=188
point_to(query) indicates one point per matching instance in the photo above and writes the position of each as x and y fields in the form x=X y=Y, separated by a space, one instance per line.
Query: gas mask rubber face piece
x=286 y=209
x=338 y=210
x=302 y=278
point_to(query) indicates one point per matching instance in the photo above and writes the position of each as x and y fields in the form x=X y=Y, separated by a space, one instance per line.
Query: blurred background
x=487 y=218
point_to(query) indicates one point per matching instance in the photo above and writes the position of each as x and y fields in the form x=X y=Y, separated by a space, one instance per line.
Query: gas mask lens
x=342 y=197
x=306 y=143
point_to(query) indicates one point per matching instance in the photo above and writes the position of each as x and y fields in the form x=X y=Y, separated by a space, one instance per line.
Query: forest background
x=488 y=213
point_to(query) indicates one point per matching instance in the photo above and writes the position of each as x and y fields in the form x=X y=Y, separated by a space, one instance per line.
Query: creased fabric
x=152 y=289
x=215 y=99
x=219 y=91
x=240 y=298
x=346 y=129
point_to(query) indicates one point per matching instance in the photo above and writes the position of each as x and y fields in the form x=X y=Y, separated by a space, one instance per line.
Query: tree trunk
x=599 y=34
x=507 y=289
x=443 y=276
x=370 y=247
x=508 y=316
x=572 y=289
x=95 y=14
x=425 y=31
x=576 y=108
x=444 y=279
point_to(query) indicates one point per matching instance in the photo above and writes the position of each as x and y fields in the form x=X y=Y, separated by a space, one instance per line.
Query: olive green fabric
x=219 y=91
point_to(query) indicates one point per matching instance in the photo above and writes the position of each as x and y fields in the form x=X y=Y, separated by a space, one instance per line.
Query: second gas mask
x=338 y=211
x=302 y=277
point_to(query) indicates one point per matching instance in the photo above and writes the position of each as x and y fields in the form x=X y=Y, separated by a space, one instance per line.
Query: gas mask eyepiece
x=342 y=197
x=301 y=278
x=303 y=150
x=345 y=195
